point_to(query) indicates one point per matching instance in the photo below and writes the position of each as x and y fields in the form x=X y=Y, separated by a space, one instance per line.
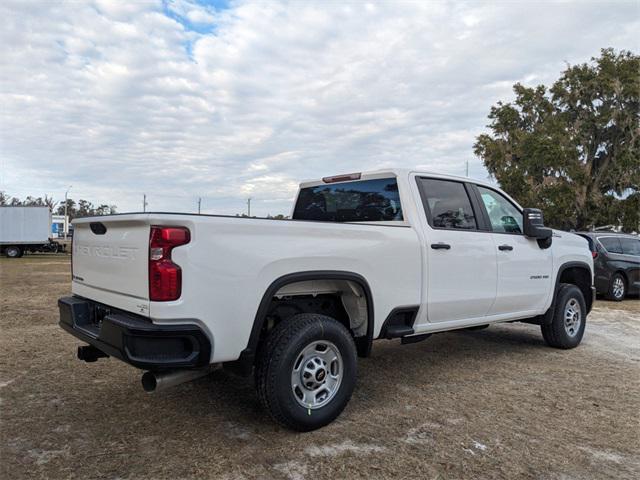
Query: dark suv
x=616 y=258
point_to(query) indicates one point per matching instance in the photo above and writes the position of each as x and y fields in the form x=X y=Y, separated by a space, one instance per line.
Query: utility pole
x=144 y=202
x=66 y=222
x=467 y=174
x=249 y=207
x=199 y=203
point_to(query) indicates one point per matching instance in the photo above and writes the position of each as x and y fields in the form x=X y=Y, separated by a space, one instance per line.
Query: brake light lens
x=342 y=178
x=165 y=277
x=594 y=254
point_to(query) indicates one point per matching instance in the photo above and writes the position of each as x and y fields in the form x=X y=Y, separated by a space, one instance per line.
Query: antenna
x=144 y=202
x=199 y=203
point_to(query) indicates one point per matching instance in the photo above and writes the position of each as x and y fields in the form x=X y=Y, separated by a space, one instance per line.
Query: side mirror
x=534 y=227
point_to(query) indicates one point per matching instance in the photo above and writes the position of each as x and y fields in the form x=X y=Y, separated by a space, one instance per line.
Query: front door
x=524 y=269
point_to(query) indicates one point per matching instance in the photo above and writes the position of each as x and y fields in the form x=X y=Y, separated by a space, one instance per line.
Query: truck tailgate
x=110 y=261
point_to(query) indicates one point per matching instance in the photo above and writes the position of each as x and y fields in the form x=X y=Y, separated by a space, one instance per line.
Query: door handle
x=505 y=247
x=440 y=246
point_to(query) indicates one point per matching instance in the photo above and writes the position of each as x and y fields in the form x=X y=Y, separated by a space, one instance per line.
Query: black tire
x=559 y=333
x=277 y=359
x=13 y=252
x=617 y=288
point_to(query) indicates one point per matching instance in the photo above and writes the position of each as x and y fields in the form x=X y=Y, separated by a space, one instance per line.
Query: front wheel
x=569 y=318
x=13 y=252
x=306 y=371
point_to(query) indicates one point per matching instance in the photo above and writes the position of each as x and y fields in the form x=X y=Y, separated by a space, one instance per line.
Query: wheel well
x=624 y=276
x=345 y=296
x=282 y=308
x=343 y=300
x=580 y=277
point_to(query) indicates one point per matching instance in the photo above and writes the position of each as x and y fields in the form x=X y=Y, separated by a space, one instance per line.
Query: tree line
x=83 y=208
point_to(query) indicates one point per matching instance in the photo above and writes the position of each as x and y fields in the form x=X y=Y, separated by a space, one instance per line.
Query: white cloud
x=181 y=100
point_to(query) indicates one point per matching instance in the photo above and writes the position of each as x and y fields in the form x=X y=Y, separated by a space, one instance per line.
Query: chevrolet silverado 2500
x=379 y=255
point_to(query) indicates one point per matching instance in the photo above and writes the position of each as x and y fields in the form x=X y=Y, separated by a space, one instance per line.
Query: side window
x=630 y=246
x=448 y=204
x=611 y=244
x=504 y=216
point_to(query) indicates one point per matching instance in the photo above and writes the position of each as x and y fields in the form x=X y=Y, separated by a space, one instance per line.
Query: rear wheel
x=306 y=371
x=617 y=288
x=13 y=252
x=569 y=318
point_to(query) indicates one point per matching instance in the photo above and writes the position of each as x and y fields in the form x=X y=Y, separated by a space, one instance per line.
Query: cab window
x=448 y=205
x=503 y=215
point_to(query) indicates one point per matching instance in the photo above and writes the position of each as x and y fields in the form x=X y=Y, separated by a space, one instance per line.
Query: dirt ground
x=495 y=403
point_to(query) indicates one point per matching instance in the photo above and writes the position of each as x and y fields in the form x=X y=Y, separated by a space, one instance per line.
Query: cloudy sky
x=229 y=100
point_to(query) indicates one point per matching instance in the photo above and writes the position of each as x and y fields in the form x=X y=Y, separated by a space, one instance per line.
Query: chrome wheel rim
x=618 y=287
x=572 y=317
x=317 y=374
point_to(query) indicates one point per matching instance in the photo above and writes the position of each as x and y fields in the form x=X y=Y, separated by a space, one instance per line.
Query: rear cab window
x=375 y=200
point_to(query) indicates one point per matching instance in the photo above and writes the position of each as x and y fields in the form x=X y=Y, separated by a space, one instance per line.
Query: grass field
x=495 y=403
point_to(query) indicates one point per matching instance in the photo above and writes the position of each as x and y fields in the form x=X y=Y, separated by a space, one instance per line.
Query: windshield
x=361 y=201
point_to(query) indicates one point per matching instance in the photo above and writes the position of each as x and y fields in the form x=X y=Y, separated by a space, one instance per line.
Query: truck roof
x=385 y=172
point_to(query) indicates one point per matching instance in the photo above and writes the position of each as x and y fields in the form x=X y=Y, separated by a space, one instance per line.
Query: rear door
x=461 y=259
x=524 y=269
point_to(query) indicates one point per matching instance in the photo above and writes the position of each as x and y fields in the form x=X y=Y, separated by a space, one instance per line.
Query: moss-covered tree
x=574 y=149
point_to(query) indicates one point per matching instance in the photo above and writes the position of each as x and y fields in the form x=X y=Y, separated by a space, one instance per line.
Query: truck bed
x=230 y=262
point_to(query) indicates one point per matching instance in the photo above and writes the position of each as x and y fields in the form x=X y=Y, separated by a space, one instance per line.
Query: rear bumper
x=134 y=339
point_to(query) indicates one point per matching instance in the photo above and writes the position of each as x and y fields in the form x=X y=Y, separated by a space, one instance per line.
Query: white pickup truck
x=380 y=255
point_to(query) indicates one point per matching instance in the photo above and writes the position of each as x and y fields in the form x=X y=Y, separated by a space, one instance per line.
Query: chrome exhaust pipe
x=156 y=381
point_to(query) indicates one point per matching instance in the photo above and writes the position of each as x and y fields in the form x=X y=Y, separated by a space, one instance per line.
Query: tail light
x=165 y=277
x=594 y=254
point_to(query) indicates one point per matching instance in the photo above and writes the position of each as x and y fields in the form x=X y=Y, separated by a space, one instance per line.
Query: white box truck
x=25 y=229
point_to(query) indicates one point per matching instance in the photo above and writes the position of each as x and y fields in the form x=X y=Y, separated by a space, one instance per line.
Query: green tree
x=574 y=149
x=84 y=208
x=71 y=208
